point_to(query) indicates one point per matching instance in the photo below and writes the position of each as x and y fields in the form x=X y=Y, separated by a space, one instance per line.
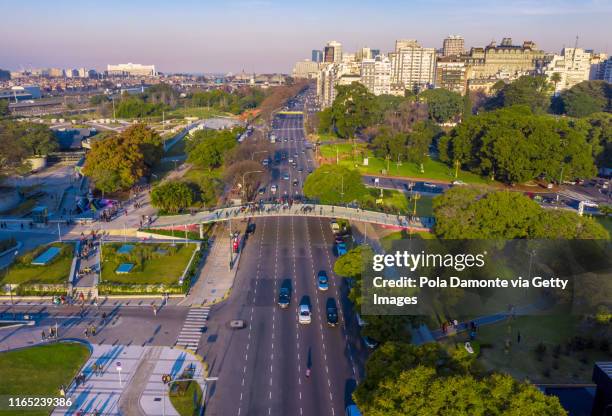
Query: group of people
x=52 y=334
x=90 y=331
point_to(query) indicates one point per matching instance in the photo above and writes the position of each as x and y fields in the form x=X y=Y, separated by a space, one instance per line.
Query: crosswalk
x=194 y=325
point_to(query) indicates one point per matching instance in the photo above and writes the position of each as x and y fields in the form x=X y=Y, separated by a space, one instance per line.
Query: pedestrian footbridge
x=295 y=210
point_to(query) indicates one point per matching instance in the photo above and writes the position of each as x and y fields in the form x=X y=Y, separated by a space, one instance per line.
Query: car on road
x=273 y=189
x=341 y=248
x=323 y=280
x=296 y=182
x=304 y=316
x=295 y=155
x=284 y=297
x=334 y=226
x=265 y=162
x=309 y=170
x=370 y=342
x=290 y=160
x=285 y=176
x=300 y=169
x=429 y=185
x=332 y=312
x=262 y=190
x=251 y=228
x=458 y=183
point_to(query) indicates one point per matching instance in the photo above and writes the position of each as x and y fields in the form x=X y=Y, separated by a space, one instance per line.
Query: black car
x=251 y=228
x=332 y=312
x=284 y=294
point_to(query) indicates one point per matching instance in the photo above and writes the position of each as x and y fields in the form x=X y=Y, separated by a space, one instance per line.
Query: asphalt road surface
x=262 y=368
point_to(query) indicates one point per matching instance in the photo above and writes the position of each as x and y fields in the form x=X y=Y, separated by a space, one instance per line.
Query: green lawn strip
x=157 y=269
x=39 y=371
x=433 y=169
x=55 y=272
x=199 y=112
x=522 y=362
x=387 y=241
x=606 y=222
x=186 y=404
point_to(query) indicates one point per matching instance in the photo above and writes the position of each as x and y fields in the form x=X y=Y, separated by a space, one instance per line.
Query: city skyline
x=269 y=36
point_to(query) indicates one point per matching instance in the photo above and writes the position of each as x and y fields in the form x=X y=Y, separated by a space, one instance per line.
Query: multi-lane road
x=262 y=368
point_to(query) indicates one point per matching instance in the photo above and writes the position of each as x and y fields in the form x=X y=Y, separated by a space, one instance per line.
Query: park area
x=145 y=263
x=49 y=264
x=558 y=348
x=402 y=203
x=432 y=169
x=39 y=371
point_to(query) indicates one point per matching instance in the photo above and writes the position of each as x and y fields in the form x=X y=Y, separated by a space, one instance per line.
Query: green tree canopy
x=471 y=213
x=353 y=109
x=513 y=145
x=532 y=91
x=19 y=141
x=172 y=196
x=443 y=105
x=335 y=185
x=585 y=98
x=207 y=148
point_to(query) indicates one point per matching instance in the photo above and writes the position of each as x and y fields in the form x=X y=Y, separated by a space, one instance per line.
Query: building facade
x=376 y=75
x=505 y=61
x=332 y=52
x=607 y=70
x=317 y=56
x=412 y=66
x=131 y=69
x=451 y=74
x=453 y=45
x=305 y=69
x=568 y=69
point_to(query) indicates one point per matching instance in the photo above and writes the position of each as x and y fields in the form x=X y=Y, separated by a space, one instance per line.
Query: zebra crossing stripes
x=194 y=325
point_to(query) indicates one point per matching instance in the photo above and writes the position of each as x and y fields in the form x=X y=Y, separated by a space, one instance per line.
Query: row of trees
x=20 y=141
x=514 y=145
x=117 y=161
x=235 y=102
x=472 y=213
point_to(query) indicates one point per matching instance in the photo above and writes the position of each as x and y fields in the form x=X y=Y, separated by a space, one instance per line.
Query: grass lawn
x=521 y=361
x=150 y=267
x=433 y=169
x=39 y=371
x=387 y=241
x=199 y=112
x=184 y=404
x=56 y=272
x=402 y=202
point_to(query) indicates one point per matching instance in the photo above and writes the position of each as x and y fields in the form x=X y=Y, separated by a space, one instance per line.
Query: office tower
x=332 y=52
x=453 y=45
x=317 y=56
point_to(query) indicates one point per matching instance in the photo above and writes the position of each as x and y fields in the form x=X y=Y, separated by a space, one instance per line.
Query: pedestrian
x=86 y=332
x=43 y=335
x=93 y=330
x=154 y=310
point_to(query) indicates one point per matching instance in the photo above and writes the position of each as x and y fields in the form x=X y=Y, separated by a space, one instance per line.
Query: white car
x=304 y=314
x=273 y=189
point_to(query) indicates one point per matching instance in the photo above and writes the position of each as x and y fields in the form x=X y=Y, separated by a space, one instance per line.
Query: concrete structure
x=305 y=69
x=19 y=93
x=131 y=69
x=451 y=74
x=607 y=70
x=505 y=61
x=573 y=67
x=376 y=75
x=412 y=66
x=597 y=62
x=317 y=56
x=374 y=52
x=453 y=45
x=363 y=53
x=332 y=52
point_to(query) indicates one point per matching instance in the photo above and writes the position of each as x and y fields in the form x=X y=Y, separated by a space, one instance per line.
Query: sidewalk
x=215 y=278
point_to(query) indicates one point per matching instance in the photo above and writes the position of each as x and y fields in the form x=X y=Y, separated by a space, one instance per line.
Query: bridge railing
x=301 y=209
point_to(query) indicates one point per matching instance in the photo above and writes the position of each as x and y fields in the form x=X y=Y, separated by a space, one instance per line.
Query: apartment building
x=453 y=45
x=412 y=66
x=569 y=68
x=451 y=73
x=376 y=75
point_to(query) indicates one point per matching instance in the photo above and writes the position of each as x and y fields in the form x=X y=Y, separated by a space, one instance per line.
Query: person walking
x=43 y=335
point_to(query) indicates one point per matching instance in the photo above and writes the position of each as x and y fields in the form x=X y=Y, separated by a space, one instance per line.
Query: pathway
x=193 y=328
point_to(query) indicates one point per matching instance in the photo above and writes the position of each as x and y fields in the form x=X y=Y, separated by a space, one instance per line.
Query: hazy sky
x=270 y=35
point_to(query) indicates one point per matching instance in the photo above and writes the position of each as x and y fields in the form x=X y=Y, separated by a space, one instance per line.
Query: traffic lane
x=405 y=184
x=342 y=339
x=314 y=352
x=226 y=350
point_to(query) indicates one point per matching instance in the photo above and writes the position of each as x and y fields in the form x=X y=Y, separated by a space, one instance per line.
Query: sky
x=203 y=36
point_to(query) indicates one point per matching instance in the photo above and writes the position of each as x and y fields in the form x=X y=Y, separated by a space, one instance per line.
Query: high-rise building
x=451 y=73
x=607 y=70
x=376 y=75
x=374 y=52
x=131 y=69
x=363 y=53
x=453 y=45
x=71 y=73
x=305 y=69
x=412 y=66
x=597 y=64
x=573 y=66
x=332 y=52
x=56 y=72
x=317 y=56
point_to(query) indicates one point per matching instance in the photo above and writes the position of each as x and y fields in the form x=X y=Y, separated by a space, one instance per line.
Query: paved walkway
x=193 y=328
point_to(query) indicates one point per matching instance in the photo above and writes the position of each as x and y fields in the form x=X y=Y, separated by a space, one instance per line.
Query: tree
x=207 y=148
x=585 y=98
x=20 y=141
x=4 y=108
x=532 y=91
x=471 y=213
x=513 y=145
x=351 y=263
x=335 y=185
x=599 y=136
x=555 y=78
x=443 y=105
x=247 y=175
x=119 y=161
x=172 y=196
x=353 y=109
